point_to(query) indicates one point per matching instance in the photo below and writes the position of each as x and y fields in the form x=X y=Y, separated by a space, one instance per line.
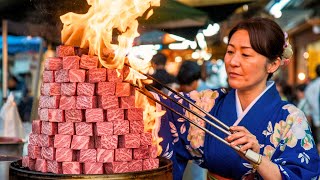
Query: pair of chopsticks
x=252 y=156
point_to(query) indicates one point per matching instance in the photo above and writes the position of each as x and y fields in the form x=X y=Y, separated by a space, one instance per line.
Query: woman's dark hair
x=266 y=37
x=189 y=72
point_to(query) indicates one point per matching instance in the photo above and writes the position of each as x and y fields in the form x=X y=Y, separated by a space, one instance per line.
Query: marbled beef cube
x=114 y=75
x=123 y=89
x=116 y=167
x=84 y=129
x=94 y=115
x=114 y=114
x=136 y=126
x=89 y=62
x=43 y=114
x=85 y=89
x=53 y=64
x=67 y=102
x=125 y=72
x=49 y=128
x=141 y=153
x=86 y=102
x=64 y=50
x=82 y=142
x=56 y=115
x=107 y=142
x=127 y=102
x=80 y=51
x=129 y=141
x=77 y=75
x=120 y=127
x=50 y=89
x=41 y=165
x=87 y=155
x=48 y=153
x=48 y=77
x=148 y=164
x=74 y=115
x=108 y=102
x=45 y=140
x=123 y=154
x=103 y=128
x=153 y=151
x=70 y=62
x=34 y=152
x=134 y=114
x=97 y=75
x=71 y=168
x=146 y=139
x=54 y=167
x=34 y=139
x=28 y=162
x=62 y=141
x=106 y=88
x=68 y=89
x=49 y=102
x=135 y=165
x=66 y=128
x=61 y=76
x=65 y=155
x=36 y=126
x=92 y=168
x=105 y=155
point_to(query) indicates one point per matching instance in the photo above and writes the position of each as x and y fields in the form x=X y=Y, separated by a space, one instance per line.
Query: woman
x=259 y=119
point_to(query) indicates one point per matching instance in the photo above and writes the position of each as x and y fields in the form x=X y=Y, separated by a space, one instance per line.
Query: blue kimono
x=281 y=129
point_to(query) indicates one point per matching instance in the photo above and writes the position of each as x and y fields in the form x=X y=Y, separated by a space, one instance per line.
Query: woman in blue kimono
x=260 y=120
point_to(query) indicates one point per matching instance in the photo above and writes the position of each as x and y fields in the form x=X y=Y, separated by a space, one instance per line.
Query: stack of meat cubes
x=88 y=122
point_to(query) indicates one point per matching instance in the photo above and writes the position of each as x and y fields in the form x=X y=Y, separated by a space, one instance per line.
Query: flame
x=96 y=30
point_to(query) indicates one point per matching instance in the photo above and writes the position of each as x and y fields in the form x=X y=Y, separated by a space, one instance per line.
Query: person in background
x=312 y=94
x=302 y=103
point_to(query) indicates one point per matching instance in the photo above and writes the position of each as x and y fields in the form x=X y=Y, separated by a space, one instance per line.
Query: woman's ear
x=273 y=67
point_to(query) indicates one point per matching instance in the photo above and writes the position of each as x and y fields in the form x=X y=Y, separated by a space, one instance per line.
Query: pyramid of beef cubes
x=88 y=122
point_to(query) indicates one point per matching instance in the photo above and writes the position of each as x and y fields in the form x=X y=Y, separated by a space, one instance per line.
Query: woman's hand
x=241 y=136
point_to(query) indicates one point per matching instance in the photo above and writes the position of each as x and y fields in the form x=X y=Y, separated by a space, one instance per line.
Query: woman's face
x=246 y=68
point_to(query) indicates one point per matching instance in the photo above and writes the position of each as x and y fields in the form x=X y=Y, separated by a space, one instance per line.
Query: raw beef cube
x=65 y=154
x=28 y=162
x=43 y=114
x=127 y=102
x=71 y=168
x=107 y=142
x=103 y=128
x=135 y=165
x=125 y=72
x=51 y=89
x=141 y=153
x=129 y=141
x=70 y=62
x=134 y=114
x=97 y=75
x=87 y=155
x=49 y=128
x=86 y=102
x=114 y=75
x=80 y=51
x=66 y=128
x=49 y=102
x=64 y=50
x=53 y=64
x=106 y=88
x=123 y=89
x=115 y=114
x=136 y=126
x=77 y=75
x=48 y=77
x=123 y=154
x=146 y=139
x=82 y=142
x=92 y=168
x=34 y=139
x=54 y=167
x=61 y=75
x=120 y=127
x=116 y=167
x=150 y=164
x=108 y=102
x=62 y=141
x=85 y=89
x=48 y=153
x=88 y=62
x=41 y=165
x=34 y=152
x=94 y=115
x=55 y=115
x=36 y=126
x=73 y=115
x=84 y=129
x=67 y=102
x=68 y=89
x=153 y=151
x=45 y=140
x=105 y=155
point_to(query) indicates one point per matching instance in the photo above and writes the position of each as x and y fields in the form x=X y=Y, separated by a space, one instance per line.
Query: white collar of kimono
x=240 y=112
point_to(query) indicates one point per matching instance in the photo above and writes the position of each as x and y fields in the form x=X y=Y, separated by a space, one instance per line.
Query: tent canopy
x=18 y=44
